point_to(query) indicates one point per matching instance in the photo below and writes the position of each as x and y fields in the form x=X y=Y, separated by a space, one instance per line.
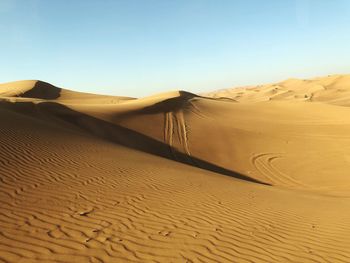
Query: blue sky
x=142 y=47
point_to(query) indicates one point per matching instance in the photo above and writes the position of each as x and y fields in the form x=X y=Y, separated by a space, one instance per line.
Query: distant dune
x=334 y=89
x=254 y=174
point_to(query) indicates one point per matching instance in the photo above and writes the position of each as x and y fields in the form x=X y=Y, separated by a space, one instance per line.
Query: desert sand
x=252 y=174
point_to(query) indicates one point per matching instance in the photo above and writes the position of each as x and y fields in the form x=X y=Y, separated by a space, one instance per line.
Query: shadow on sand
x=119 y=135
x=42 y=90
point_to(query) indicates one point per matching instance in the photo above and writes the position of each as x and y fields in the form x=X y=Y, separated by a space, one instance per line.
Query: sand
x=255 y=174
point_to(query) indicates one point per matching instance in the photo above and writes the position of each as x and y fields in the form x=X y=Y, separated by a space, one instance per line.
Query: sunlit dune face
x=255 y=174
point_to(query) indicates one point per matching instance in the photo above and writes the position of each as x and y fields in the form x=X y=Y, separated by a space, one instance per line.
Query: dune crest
x=255 y=174
x=334 y=89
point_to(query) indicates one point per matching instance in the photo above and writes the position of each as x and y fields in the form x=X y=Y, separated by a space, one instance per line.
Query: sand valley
x=252 y=174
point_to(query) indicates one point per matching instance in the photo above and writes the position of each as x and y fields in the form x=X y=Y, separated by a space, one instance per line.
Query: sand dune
x=256 y=174
x=333 y=89
x=40 y=90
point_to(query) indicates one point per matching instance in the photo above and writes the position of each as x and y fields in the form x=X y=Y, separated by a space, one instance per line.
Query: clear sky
x=142 y=47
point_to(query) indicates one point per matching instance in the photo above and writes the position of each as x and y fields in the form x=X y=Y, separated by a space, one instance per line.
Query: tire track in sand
x=76 y=198
x=263 y=163
x=175 y=129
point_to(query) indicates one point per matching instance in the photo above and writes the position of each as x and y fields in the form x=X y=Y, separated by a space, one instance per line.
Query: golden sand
x=255 y=174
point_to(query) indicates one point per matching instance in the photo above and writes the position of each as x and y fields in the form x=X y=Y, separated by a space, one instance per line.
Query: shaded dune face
x=121 y=135
x=170 y=105
x=42 y=90
x=175 y=177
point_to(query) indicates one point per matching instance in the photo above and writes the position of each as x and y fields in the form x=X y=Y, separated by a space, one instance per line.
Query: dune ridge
x=333 y=89
x=241 y=175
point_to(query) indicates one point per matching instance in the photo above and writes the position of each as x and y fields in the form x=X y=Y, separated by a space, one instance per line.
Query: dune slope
x=174 y=177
